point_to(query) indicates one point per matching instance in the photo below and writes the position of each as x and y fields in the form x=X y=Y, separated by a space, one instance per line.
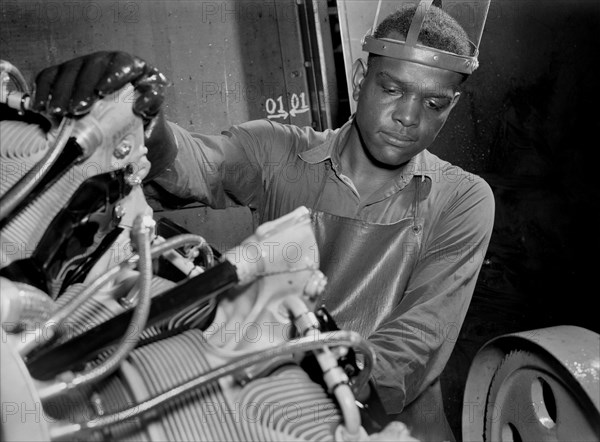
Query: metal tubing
x=11 y=200
x=345 y=338
x=141 y=237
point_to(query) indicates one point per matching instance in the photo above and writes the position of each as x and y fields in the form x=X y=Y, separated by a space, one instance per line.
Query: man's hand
x=71 y=88
x=395 y=431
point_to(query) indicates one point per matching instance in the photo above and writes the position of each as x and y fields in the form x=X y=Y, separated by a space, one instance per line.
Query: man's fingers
x=122 y=69
x=71 y=88
x=63 y=86
x=149 y=101
x=151 y=93
x=90 y=74
x=43 y=86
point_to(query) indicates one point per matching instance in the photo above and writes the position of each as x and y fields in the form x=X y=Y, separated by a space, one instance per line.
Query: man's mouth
x=396 y=139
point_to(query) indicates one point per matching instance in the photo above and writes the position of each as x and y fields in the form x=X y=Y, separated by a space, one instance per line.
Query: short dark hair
x=439 y=30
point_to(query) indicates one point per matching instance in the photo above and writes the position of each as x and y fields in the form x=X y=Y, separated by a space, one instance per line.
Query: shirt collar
x=327 y=149
x=420 y=165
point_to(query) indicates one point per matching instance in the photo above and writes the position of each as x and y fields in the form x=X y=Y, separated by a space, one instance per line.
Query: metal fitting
x=122 y=150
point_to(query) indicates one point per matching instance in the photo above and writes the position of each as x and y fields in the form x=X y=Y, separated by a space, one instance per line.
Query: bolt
x=122 y=150
x=118 y=212
x=133 y=180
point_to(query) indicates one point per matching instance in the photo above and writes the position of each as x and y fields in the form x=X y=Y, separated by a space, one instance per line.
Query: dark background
x=528 y=124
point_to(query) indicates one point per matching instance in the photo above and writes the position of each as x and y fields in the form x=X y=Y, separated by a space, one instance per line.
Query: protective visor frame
x=412 y=51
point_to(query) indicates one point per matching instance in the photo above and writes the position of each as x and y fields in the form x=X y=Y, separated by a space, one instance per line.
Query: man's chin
x=393 y=157
x=389 y=157
x=391 y=163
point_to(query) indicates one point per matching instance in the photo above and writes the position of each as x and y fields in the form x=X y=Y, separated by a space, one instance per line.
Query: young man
x=402 y=234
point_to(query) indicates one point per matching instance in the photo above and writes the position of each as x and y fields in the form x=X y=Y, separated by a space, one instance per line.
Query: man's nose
x=408 y=111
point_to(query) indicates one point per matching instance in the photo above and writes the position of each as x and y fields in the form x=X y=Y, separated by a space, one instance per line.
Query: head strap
x=417 y=22
x=411 y=50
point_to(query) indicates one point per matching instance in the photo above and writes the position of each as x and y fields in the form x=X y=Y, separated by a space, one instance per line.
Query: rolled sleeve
x=214 y=169
x=235 y=165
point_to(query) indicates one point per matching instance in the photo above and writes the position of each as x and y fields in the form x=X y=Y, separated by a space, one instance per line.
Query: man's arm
x=209 y=169
x=235 y=165
x=415 y=343
x=191 y=166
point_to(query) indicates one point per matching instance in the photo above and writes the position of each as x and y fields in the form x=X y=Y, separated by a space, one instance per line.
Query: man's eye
x=435 y=105
x=392 y=91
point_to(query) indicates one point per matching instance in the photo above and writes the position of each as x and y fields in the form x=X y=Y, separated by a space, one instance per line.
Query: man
x=402 y=233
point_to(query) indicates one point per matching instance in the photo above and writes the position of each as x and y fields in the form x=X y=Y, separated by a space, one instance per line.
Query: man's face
x=401 y=107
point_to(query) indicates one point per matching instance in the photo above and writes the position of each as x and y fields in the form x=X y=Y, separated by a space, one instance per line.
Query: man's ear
x=454 y=100
x=359 y=71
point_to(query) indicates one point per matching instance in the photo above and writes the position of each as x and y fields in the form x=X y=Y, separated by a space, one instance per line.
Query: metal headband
x=412 y=51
